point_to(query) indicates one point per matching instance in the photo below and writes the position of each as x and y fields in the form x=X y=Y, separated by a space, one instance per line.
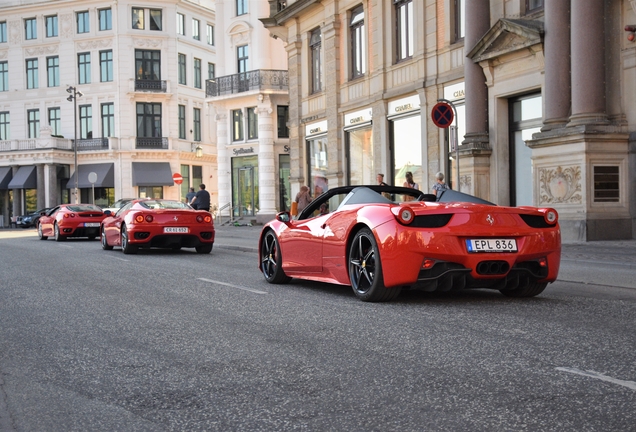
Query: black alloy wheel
x=271 y=260
x=105 y=244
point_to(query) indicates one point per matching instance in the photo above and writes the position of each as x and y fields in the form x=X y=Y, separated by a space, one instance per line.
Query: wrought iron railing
x=262 y=79
x=152 y=143
x=151 y=85
x=92 y=144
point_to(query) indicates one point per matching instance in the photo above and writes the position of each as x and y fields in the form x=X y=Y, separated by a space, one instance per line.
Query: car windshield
x=120 y=203
x=83 y=207
x=162 y=204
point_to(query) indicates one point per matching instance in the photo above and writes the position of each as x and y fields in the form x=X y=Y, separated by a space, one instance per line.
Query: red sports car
x=70 y=220
x=380 y=239
x=158 y=223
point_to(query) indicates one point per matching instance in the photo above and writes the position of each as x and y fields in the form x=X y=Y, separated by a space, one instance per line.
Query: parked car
x=71 y=220
x=158 y=223
x=118 y=204
x=381 y=239
x=31 y=219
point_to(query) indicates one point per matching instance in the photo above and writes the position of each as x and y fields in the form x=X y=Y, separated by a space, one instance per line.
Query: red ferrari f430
x=70 y=220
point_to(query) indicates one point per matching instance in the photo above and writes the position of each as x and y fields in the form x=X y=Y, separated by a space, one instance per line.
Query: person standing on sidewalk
x=202 y=199
x=190 y=195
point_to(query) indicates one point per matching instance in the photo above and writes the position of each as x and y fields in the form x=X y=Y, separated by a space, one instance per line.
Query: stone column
x=41 y=184
x=557 y=92
x=224 y=166
x=476 y=88
x=588 y=63
x=331 y=45
x=297 y=172
x=17 y=195
x=53 y=182
x=266 y=162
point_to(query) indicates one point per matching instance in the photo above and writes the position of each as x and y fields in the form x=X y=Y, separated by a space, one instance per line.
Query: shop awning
x=25 y=178
x=105 y=176
x=5 y=177
x=151 y=174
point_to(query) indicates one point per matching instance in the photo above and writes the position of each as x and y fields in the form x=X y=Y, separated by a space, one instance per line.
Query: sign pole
x=454 y=137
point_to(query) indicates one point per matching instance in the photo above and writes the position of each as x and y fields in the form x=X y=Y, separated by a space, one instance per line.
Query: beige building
x=541 y=93
x=111 y=88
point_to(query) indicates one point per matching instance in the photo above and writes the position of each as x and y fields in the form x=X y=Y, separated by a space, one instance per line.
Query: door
x=526 y=115
x=246 y=192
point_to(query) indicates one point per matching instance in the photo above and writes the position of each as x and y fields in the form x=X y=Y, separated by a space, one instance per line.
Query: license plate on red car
x=491 y=245
x=175 y=229
x=91 y=224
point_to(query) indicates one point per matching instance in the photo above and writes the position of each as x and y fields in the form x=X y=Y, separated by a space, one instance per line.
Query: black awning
x=5 y=177
x=105 y=176
x=25 y=178
x=151 y=174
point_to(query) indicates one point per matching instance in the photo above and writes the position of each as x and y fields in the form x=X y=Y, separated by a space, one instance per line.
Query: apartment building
x=540 y=91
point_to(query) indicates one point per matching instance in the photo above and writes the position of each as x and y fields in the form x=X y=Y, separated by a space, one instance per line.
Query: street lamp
x=74 y=94
x=198 y=151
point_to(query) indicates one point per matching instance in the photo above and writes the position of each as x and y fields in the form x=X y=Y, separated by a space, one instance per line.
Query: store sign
x=358 y=118
x=243 y=150
x=455 y=92
x=404 y=106
x=317 y=128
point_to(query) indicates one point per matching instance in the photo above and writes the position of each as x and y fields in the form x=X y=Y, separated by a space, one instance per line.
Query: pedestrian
x=190 y=195
x=303 y=198
x=380 y=179
x=439 y=185
x=410 y=183
x=202 y=199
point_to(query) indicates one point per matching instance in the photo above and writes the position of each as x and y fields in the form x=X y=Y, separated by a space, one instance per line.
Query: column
x=556 y=49
x=476 y=88
x=266 y=162
x=223 y=160
x=41 y=184
x=588 y=63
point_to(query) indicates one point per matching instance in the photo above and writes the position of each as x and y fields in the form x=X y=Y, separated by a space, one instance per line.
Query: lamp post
x=74 y=94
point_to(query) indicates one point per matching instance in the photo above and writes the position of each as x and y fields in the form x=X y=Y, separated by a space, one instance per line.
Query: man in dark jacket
x=201 y=199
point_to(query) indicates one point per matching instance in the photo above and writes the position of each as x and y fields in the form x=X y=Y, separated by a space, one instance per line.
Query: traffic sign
x=442 y=115
x=177 y=178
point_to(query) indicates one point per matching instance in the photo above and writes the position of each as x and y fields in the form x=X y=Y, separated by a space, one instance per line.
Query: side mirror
x=283 y=217
x=108 y=212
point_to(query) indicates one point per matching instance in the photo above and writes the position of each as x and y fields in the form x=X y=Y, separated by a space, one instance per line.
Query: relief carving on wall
x=560 y=185
x=95 y=44
x=147 y=43
x=45 y=50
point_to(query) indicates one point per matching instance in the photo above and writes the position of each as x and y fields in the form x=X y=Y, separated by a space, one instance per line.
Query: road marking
x=117 y=258
x=233 y=286
x=596 y=375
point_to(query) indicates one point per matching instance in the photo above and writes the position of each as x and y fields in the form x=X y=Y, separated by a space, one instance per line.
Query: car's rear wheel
x=365 y=269
x=126 y=247
x=204 y=249
x=105 y=244
x=42 y=237
x=530 y=290
x=56 y=233
x=271 y=259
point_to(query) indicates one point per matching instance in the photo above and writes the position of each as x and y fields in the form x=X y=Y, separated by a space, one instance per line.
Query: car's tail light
x=149 y=218
x=207 y=219
x=428 y=263
x=139 y=218
x=199 y=218
x=406 y=215
x=551 y=216
x=67 y=215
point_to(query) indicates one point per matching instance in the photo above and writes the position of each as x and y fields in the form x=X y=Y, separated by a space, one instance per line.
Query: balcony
x=151 y=85
x=152 y=143
x=92 y=144
x=257 y=80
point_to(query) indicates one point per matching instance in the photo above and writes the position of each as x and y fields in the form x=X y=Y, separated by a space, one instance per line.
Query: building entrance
x=525 y=119
x=245 y=186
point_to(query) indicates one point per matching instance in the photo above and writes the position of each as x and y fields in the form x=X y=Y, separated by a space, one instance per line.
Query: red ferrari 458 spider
x=70 y=220
x=380 y=239
x=158 y=223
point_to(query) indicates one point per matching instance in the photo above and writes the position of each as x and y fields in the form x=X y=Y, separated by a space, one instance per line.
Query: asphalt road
x=98 y=340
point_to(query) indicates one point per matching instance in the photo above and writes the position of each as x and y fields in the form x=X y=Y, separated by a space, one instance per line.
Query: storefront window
x=360 y=155
x=245 y=185
x=284 y=170
x=104 y=197
x=155 y=192
x=317 y=157
x=407 y=150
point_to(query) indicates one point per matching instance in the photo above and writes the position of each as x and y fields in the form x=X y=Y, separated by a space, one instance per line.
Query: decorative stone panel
x=560 y=185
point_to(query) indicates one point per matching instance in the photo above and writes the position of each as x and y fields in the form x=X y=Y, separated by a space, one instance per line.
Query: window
x=155 y=192
x=358 y=41
x=51 y=26
x=106 y=66
x=4 y=76
x=606 y=184
x=237 y=125
x=242 y=58
x=252 y=123
x=86 y=121
x=210 y=34
x=30 y=29
x=105 y=19
x=5 y=126
x=32 y=73
x=533 y=5
x=181 y=24
x=148 y=65
x=182 y=122
x=33 y=119
x=404 y=28
x=55 y=121
x=211 y=71
x=53 y=71
x=197 y=73
x=149 y=120
x=282 y=117
x=196 y=124
x=460 y=19
x=241 y=7
x=3 y=32
x=108 y=119
x=196 y=27
x=315 y=47
x=182 y=69
x=138 y=18
x=84 y=68
x=83 y=25
x=155 y=19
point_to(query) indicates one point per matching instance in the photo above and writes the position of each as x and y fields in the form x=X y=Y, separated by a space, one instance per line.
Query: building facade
x=106 y=96
x=540 y=93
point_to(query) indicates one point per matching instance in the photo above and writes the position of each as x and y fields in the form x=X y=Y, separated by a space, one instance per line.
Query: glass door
x=245 y=186
x=246 y=192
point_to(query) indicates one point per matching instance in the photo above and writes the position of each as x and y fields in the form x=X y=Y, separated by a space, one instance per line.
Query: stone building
x=540 y=91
